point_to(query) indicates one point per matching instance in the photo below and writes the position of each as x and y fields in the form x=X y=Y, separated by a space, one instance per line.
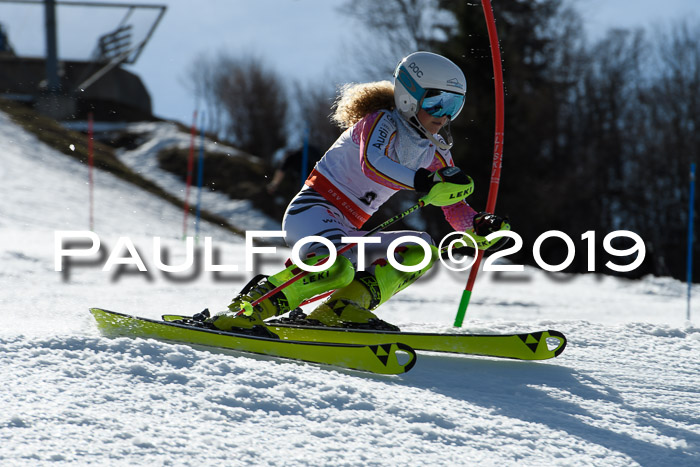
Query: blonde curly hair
x=357 y=100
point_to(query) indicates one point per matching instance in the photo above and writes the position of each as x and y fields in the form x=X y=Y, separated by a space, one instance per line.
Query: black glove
x=424 y=179
x=486 y=223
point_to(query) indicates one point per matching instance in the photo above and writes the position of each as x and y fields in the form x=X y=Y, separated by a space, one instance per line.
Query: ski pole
x=421 y=202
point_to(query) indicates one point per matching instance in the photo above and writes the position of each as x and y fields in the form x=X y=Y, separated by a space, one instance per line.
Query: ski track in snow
x=624 y=392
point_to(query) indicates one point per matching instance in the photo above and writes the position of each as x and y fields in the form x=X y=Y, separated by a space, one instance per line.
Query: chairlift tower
x=64 y=82
x=52 y=79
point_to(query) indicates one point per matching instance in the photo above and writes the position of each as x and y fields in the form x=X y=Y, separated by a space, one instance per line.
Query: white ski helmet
x=431 y=82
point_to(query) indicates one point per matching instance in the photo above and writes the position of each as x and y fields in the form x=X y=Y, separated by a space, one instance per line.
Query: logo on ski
x=382 y=352
x=531 y=340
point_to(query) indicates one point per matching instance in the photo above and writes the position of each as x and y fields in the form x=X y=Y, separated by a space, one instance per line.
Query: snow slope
x=160 y=135
x=624 y=392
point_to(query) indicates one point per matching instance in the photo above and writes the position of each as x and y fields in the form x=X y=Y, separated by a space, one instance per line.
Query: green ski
x=386 y=357
x=539 y=345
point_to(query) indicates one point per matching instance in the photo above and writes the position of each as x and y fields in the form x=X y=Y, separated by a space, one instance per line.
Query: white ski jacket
x=374 y=159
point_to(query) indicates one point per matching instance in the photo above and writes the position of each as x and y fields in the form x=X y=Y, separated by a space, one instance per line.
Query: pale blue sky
x=303 y=39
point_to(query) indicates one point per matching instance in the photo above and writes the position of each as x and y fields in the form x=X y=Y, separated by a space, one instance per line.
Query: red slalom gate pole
x=190 y=168
x=91 y=164
x=497 y=151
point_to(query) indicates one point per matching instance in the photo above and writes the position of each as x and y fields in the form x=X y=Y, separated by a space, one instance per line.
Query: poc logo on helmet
x=415 y=69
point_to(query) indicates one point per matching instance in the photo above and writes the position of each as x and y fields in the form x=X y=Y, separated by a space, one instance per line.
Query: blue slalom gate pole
x=200 y=181
x=691 y=209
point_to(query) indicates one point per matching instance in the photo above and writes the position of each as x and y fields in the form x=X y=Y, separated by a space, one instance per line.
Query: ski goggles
x=441 y=103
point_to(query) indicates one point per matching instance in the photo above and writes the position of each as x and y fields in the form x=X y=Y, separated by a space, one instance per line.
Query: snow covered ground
x=157 y=136
x=165 y=134
x=625 y=391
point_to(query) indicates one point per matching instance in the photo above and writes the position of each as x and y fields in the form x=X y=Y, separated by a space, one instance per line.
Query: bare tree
x=627 y=131
x=397 y=28
x=669 y=135
x=244 y=100
x=256 y=104
x=201 y=79
x=314 y=108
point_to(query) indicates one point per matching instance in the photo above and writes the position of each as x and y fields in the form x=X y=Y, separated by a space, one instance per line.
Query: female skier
x=391 y=142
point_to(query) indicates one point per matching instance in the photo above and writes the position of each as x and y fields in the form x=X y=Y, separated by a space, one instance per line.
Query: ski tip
x=410 y=352
x=562 y=341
